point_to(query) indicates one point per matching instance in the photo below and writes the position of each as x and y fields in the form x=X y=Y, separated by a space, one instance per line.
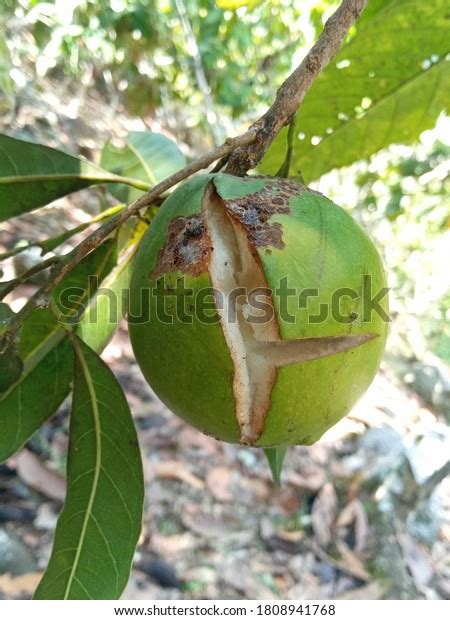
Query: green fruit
x=278 y=373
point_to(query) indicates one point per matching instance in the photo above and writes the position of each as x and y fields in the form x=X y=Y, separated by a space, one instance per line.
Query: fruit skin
x=317 y=245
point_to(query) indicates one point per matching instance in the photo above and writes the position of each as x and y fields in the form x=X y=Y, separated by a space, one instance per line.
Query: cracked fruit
x=257 y=309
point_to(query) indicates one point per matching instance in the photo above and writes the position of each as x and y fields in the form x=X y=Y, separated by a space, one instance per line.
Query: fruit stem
x=285 y=166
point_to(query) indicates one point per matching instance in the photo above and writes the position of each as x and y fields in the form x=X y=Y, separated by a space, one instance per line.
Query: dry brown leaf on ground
x=227 y=484
x=323 y=514
x=36 y=474
x=239 y=576
x=177 y=471
x=319 y=453
x=250 y=490
x=312 y=479
x=309 y=589
x=167 y=546
x=352 y=561
x=190 y=438
x=276 y=540
x=141 y=588
x=218 y=481
x=22 y=585
x=354 y=514
x=286 y=499
x=325 y=557
x=208 y=525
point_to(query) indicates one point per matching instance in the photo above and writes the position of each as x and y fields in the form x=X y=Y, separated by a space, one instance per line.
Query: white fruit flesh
x=233 y=267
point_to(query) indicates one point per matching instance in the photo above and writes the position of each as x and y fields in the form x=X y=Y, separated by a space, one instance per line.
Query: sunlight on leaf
x=147 y=156
x=385 y=86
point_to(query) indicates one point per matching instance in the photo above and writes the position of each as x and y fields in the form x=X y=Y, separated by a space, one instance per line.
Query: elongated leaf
x=32 y=175
x=47 y=354
x=276 y=456
x=48 y=245
x=147 y=156
x=47 y=357
x=100 y=523
x=108 y=307
x=387 y=85
x=10 y=363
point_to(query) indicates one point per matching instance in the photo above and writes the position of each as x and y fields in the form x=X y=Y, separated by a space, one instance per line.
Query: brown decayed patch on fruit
x=254 y=211
x=188 y=244
x=187 y=248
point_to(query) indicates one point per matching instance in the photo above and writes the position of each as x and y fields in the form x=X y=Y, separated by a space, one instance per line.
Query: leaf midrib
x=141 y=159
x=89 y=178
x=97 y=467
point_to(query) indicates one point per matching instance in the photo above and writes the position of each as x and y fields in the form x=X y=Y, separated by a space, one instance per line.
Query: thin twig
x=7 y=287
x=18 y=250
x=293 y=90
x=51 y=243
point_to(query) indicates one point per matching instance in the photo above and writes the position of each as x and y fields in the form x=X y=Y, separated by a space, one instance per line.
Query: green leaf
x=32 y=175
x=10 y=363
x=389 y=83
x=6 y=316
x=48 y=245
x=147 y=156
x=108 y=306
x=99 y=526
x=409 y=111
x=275 y=456
x=47 y=356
